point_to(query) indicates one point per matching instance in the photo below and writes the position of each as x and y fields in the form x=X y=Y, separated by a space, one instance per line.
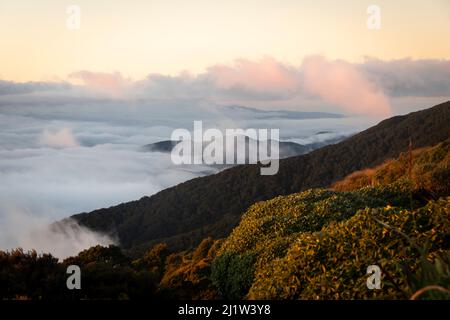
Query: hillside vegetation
x=183 y=215
x=430 y=172
x=317 y=244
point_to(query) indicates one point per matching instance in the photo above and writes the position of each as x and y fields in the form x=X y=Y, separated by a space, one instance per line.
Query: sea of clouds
x=67 y=148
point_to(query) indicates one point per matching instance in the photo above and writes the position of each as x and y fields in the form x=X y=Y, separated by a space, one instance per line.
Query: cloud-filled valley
x=75 y=146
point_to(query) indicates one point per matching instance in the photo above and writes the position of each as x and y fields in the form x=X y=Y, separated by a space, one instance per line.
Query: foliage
x=183 y=215
x=232 y=274
x=269 y=228
x=318 y=243
x=28 y=275
x=314 y=244
x=306 y=211
x=432 y=279
x=187 y=273
x=111 y=255
x=331 y=263
x=430 y=172
x=154 y=260
x=106 y=274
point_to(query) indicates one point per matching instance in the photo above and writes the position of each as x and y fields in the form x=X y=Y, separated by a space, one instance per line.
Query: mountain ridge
x=184 y=214
x=286 y=148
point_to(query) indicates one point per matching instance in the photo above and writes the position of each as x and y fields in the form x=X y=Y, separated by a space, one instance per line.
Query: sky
x=77 y=105
x=138 y=37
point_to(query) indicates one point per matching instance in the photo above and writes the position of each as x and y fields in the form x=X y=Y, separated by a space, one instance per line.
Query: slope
x=183 y=215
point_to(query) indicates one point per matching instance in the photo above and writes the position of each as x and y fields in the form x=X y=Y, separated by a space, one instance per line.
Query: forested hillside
x=318 y=243
x=315 y=244
x=211 y=206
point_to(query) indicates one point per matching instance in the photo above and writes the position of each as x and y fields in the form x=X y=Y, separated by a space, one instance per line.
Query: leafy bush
x=269 y=228
x=282 y=216
x=29 y=275
x=232 y=274
x=331 y=263
x=187 y=274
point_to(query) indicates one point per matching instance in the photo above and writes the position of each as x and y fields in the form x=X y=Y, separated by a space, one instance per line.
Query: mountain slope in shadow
x=184 y=214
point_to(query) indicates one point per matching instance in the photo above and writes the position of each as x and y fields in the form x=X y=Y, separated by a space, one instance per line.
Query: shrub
x=232 y=274
x=331 y=263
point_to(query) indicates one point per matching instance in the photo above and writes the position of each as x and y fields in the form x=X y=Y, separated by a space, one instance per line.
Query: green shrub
x=232 y=274
x=331 y=263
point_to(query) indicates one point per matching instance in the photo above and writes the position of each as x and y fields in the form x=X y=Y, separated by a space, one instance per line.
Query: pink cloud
x=113 y=84
x=342 y=84
x=264 y=75
x=337 y=83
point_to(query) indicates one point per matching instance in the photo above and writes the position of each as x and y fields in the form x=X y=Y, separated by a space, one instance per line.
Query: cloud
x=62 y=138
x=407 y=77
x=28 y=230
x=184 y=86
x=264 y=76
x=113 y=84
x=342 y=84
x=41 y=185
x=49 y=174
x=12 y=88
x=368 y=88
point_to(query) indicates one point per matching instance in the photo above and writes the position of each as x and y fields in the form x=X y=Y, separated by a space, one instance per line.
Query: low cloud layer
x=75 y=146
x=60 y=138
x=30 y=231
x=406 y=77
x=59 y=159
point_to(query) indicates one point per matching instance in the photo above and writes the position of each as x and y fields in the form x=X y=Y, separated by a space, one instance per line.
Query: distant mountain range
x=183 y=215
x=286 y=148
x=273 y=114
